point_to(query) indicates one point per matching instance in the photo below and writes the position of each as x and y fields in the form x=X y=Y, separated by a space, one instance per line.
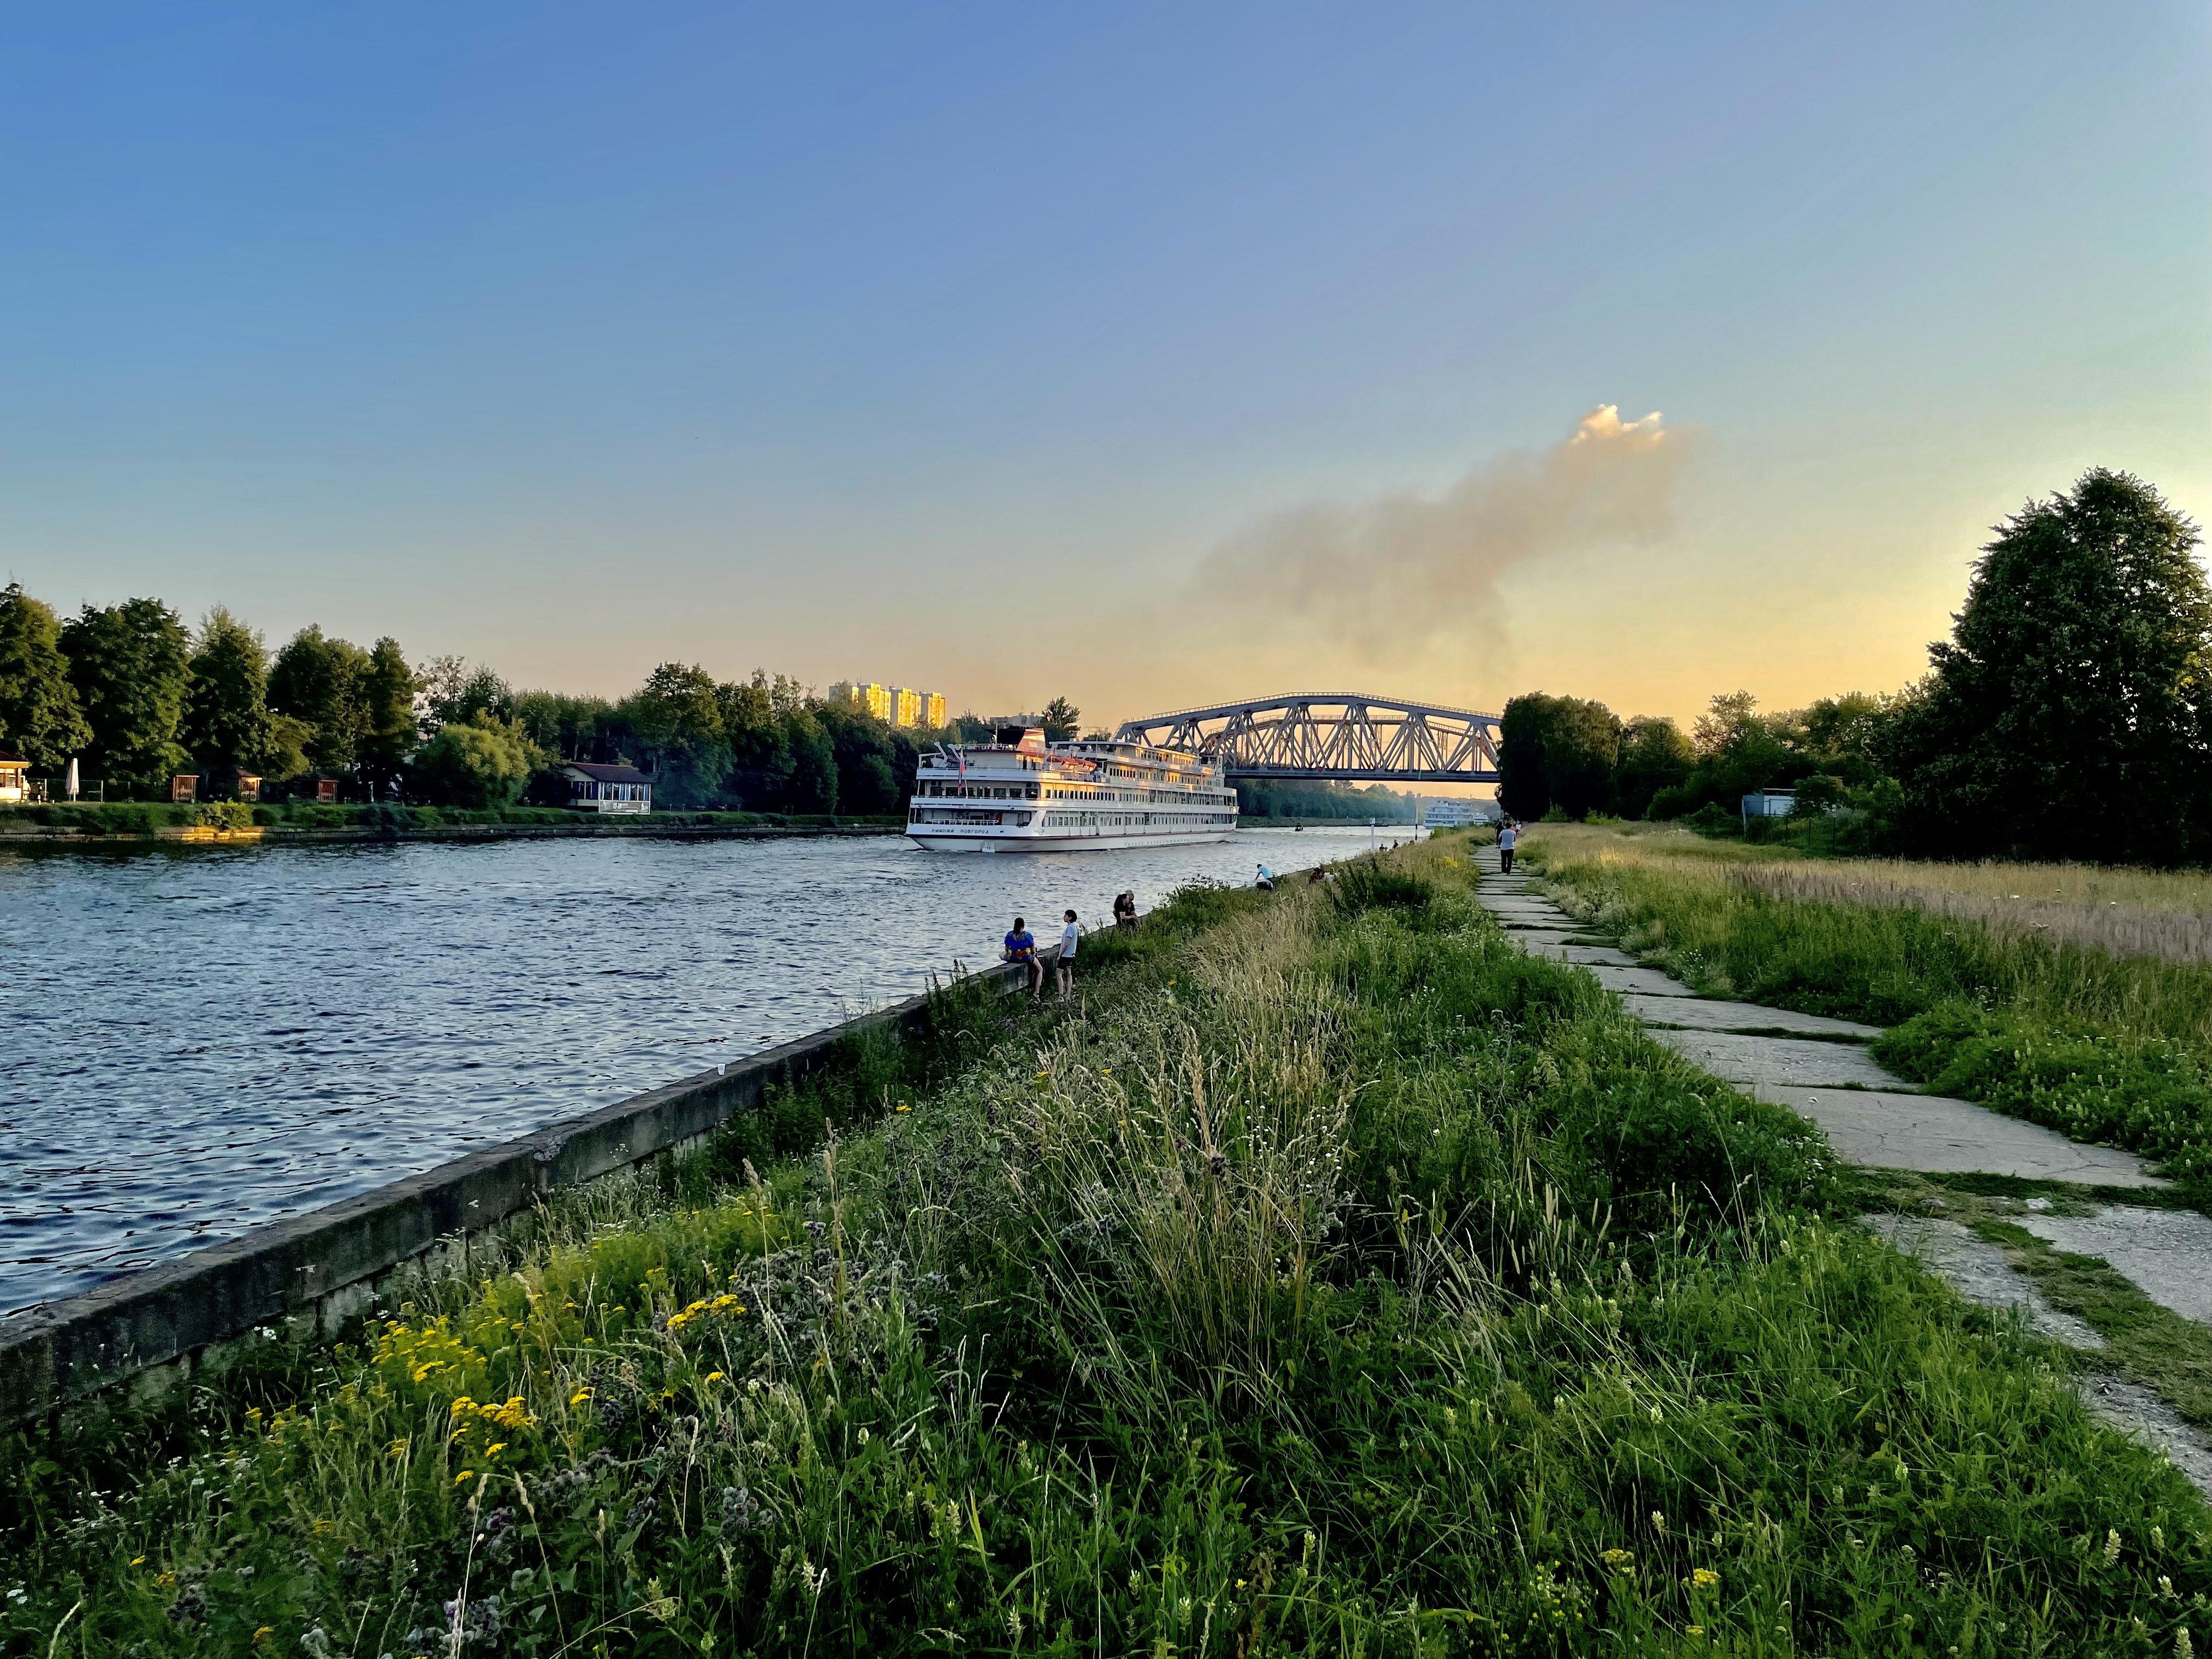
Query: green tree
x=2075 y=684
x=39 y=716
x=388 y=732
x=482 y=762
x=1062 y=720
x=1522 y=791
x=813 y=785
x=677 y=718
x=1556 y=752
x=582 y=729
x=318 y=680
x=131 y=665
x=1654 y=755
x=227 y=709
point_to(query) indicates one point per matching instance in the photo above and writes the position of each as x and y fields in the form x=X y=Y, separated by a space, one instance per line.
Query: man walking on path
x=1507 y=834
x=1021 y=946
x=1070 y=936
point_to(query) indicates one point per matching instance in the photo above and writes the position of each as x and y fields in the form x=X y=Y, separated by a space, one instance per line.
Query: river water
x=202 y=1042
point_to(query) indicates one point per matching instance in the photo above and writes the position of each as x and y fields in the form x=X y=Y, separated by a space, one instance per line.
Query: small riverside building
x=596 y=788
x=1770 y=804
x=14 y=776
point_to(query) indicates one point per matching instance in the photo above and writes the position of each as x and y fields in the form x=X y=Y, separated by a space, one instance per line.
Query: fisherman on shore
x=1021 y=946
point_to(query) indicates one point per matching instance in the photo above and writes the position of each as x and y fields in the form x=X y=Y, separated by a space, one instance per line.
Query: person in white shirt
x=1506 y=837
x=1069 y=937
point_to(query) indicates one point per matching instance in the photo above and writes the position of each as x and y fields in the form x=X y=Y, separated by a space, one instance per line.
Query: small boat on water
x=1020 y=794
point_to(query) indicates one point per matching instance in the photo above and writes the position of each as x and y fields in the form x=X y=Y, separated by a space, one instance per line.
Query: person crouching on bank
x=1021 y=946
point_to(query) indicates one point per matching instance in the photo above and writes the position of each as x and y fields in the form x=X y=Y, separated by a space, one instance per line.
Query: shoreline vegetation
x=1333 y=1277
x=136 y=700
x=2067 y=717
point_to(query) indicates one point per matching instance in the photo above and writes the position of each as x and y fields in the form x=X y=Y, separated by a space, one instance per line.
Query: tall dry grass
x=1210 y=1166
x=2162 y=915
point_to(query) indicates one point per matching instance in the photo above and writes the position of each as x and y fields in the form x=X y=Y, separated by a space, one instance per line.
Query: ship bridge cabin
x=596 y=788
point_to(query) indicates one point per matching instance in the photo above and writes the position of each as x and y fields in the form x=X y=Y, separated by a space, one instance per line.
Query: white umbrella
x=69 y=787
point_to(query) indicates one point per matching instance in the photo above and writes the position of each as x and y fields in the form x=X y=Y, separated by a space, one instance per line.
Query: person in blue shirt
x=1267 y=882
x=1021 y=947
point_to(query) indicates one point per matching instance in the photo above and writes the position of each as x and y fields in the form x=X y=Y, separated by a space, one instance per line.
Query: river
x=204 y=1041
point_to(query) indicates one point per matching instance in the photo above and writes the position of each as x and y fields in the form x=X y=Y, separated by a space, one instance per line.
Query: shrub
x=478 y=763
x=1368 y=883
x=223 y=815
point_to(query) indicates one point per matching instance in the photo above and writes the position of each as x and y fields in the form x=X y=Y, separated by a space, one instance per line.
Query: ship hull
x=1069 y=841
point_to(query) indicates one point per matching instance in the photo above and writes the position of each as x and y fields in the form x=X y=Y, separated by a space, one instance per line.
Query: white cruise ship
x=1017 y=794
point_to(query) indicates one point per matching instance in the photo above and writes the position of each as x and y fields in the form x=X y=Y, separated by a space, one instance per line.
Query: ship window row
x=982 y=791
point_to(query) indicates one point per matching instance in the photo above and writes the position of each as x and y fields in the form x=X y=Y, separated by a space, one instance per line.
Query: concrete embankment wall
x=148 y=1331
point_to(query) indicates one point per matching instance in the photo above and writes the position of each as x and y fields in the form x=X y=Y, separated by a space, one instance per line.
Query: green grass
x=1336 y=1280
x=2102 y=1047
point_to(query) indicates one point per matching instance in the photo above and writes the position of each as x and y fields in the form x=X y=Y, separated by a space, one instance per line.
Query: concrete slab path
x=1709 y=1014
x=2166 y=1252
x=1935 y=1135
x=1874 y=1119
x=1772 y=1061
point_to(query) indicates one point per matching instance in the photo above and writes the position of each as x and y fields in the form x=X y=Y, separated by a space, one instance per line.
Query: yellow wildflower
x=495 y=1448
x=714 y=1377
x=266 y=1630
x=1704 y=1578
x=579 y=1396
x=463 y=1475
x=137 y=1560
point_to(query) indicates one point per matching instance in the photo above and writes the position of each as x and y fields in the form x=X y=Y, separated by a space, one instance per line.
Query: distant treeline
x=137 y=697
x=1342 y=802
x=2070 y=714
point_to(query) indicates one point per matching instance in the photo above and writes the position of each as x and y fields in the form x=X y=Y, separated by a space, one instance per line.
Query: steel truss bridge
x=1345 y=735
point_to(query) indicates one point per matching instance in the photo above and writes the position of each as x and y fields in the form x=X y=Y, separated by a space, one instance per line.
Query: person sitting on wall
x=1021 y=946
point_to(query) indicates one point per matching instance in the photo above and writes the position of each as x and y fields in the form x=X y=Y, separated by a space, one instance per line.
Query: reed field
x=2077 y=997
x=1334 y=1279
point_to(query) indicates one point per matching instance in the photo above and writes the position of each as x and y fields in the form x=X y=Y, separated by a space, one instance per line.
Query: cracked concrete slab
x=1978 y=1271
x=1647 y=982
x=1582 y=955
x=1780 y=1060
x=2135 y=1411
x=1710 y=1014
x=2166 y=1254
x=1935 y=1134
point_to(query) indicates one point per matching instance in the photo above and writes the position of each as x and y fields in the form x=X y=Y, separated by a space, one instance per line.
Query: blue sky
x=947 y=345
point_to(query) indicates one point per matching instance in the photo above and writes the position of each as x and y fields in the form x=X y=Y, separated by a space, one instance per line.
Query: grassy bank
x=139 y=819
x=2061 y=1024
x=1336 y=1280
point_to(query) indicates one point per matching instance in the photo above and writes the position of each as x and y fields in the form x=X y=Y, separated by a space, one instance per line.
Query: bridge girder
x=1347 y=736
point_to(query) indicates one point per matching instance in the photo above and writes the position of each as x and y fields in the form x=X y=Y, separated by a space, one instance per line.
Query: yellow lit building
x=894 y=705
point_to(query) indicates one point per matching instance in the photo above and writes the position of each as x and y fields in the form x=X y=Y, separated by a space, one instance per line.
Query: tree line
x=2069 y=714
x=137 y=697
